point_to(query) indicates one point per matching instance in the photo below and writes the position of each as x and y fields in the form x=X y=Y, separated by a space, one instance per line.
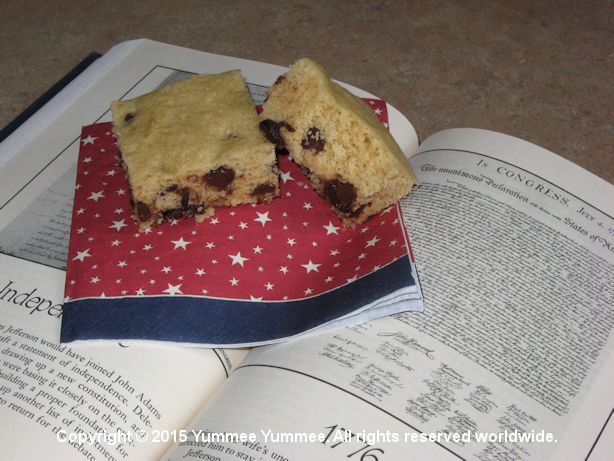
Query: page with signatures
x=512 y=358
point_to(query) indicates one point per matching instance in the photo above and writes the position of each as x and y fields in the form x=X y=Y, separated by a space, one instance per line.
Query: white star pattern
x=118 y=225
x=173 y=289
x=372 y=242
x=311 y=266
x=238 y=259
x=285 y=176
x=263 y=218
x=89 y=140
x=95 y=196
x=331 y=229
x=180 y=244
x=81 y=255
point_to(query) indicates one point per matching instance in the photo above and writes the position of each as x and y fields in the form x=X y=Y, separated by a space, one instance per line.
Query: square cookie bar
x=194 y=145
x=349 y=156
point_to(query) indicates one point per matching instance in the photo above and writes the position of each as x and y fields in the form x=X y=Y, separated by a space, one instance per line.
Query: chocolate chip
x=172 y=187
x=172 y=214
x=263 y=189
x=129 y=116
x=340 y=195
x=185 y=198
x=306 y=171
x=220 y=178
x=313 y=140
x=142 y=211
x=287 y=126
x=272 y=131
x=194 y=208
x=281 y=151
x=279 y=79
x=357 y=211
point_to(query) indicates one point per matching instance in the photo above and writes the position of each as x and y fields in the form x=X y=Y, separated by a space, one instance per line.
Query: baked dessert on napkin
x=349 y=156
x=194 y=145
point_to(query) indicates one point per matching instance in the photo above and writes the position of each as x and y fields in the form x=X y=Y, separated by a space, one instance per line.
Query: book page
x=51 y=395
x=512 y=358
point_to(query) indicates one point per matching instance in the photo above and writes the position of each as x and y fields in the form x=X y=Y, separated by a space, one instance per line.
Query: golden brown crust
x=351 y=158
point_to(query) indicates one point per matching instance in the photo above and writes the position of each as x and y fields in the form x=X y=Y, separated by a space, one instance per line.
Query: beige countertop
x=542 y=71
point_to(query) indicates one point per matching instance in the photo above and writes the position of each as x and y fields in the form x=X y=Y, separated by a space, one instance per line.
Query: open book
x=512 y=358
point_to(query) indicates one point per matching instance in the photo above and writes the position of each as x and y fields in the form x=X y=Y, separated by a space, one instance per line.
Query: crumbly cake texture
x=193 y=145
x=348 y=154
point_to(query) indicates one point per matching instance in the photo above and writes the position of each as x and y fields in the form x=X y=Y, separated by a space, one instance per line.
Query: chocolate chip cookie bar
x=349 y=156
x=194 y=145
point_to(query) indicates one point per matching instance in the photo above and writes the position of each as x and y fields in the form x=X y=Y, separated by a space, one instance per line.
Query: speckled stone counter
x=541 y=71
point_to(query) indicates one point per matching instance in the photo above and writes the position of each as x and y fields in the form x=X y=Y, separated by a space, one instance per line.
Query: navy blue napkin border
x=193 y=319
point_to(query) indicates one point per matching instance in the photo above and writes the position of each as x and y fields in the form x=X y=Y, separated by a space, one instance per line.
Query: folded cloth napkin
x=249 y=275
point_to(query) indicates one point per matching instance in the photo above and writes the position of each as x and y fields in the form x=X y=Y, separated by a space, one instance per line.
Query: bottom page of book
x=89 y=402
x=512 y=358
